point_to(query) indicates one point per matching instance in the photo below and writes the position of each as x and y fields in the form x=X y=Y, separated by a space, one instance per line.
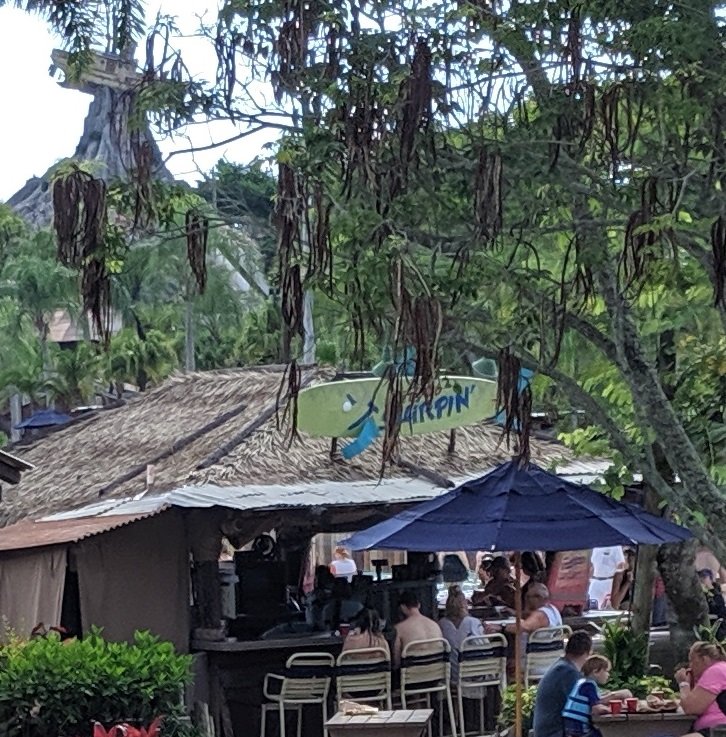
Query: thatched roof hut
x=219 y=428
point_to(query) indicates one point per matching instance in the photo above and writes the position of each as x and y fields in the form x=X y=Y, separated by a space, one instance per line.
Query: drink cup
x=344 y=628
x=616 y=707
x=632 y=705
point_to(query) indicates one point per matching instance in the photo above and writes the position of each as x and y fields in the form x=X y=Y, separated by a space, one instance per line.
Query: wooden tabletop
x=648 y=716
x=383 y=719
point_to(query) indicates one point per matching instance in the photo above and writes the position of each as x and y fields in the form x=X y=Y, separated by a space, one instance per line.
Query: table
x=669 y=724
x=398 y=723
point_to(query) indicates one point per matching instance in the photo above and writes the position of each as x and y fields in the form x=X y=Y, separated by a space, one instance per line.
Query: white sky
x=41 y=122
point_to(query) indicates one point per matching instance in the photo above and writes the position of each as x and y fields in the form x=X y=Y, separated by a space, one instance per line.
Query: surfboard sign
x=343 y=409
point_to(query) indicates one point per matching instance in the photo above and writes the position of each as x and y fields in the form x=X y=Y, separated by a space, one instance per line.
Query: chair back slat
x=483 y=662
x=364 y=675
x=544 y=647
x=426 y=663
x=307 y=677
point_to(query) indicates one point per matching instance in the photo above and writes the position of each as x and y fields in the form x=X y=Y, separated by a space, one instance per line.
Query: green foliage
x=709 y=632
x=136 y=360
x=628 y=654
x=509 y=705
x=50 y=688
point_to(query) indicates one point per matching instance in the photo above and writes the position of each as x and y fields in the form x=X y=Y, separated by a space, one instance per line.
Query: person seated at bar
x=542 y=613
x=367 y=632
x=342 y=607
x=484 y=574
x=500 y=590
x=415 y=626
x=319 y=598
x=702 y=687
x=456 y=625
x=534 y=572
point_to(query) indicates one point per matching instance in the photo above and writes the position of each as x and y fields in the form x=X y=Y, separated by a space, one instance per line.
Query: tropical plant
x=140 y=360
x=54 y=688
x=509 y=708
x=710 y=632
x=628 y=654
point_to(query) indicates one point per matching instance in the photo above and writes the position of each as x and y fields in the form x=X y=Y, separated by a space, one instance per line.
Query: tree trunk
x=16 y=416
x=189 y=343
x=642 y=602
x=676 y=565
x=309 y=329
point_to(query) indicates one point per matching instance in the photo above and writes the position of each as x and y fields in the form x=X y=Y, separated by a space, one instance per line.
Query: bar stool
x=544 y=647
x=426 y=671
x=482 y=663
x=364 y=676
x=306 y=681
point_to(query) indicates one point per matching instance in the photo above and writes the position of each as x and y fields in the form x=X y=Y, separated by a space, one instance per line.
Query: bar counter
x=325 y=640
x=236 y=670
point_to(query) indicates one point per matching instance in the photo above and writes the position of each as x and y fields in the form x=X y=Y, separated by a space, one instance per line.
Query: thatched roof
x=219 y=427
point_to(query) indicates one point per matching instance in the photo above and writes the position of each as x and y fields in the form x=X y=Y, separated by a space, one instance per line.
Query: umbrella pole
x=518 y=645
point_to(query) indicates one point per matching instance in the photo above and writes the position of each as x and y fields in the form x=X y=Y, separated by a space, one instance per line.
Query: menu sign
x=569 y=578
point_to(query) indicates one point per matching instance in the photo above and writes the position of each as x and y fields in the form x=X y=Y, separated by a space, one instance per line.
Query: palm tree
x=38 y=283
x=76 y=373
x=132 y=359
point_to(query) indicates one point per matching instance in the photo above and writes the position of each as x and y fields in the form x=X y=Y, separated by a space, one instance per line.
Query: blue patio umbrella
x=44 y=418
x=518 y=508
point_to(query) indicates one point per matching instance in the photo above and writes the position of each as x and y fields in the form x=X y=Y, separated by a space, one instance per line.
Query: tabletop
x=398 y=717
x=656 y=724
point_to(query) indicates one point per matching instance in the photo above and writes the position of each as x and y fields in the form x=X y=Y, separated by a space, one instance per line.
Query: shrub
x=509 y=706
x=54 y=688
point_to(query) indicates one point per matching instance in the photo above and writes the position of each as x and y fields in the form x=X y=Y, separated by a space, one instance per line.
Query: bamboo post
x=518 y=644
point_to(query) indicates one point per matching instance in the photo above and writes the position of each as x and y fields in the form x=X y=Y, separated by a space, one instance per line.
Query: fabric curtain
x=31 y=589
x=137 y=578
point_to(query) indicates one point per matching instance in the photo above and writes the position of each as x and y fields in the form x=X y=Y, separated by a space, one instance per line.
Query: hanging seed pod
x=79 y=216
x=488 y=195
x=141 y=174
x=639 y=243
x=574 y=45
x=96 y=294
x=423 y=330
x=196 y=229
x=516 y=404
x=718 y=249
x=609 y=103
x=287 y=396
x=415 y=103
x=289 y=218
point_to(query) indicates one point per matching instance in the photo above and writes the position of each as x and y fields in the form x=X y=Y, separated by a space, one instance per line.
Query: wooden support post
x=518 y=644
x=206 y=545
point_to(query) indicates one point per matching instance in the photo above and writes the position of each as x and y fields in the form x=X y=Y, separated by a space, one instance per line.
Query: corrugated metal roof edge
x=26 y=534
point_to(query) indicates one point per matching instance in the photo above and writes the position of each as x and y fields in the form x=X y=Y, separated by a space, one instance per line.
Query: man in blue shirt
x=556 y=684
